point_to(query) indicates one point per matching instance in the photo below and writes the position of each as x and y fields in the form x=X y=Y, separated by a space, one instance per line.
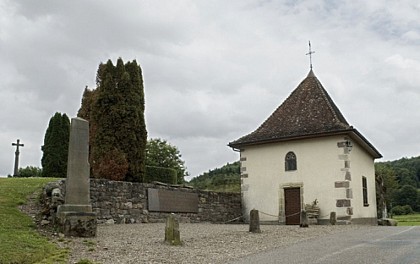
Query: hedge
x=160 y=174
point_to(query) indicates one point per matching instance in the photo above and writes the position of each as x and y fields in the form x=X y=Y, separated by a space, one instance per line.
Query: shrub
x=401 y=210
x=165 y=175
x=30 y=171
x=113 y=166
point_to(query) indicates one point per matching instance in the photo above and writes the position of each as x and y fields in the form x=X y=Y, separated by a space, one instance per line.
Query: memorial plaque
x=160 y=200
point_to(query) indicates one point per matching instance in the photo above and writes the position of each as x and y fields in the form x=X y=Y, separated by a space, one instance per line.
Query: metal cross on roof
x=310 y=54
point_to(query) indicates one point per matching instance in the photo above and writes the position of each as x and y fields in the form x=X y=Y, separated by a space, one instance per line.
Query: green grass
x=19 y=240
x=408 y=220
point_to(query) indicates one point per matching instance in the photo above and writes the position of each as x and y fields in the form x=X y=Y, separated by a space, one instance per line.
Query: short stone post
x=303 y=219
x=172 y=235
x=254 y=221
x=333 y=218
x=75 y=215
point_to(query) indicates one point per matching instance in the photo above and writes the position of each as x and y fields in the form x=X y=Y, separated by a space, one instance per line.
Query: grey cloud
x=213 y=70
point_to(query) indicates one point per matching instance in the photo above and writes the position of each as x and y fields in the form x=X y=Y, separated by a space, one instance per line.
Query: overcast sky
x=213 y=70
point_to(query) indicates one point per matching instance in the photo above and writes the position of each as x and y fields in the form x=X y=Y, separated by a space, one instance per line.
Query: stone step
x=343 y=222
x=344 y=217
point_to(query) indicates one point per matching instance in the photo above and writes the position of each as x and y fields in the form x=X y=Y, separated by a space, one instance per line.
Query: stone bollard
x=333 y=218
x=172 y=235
x=254 y=221
x=303 y=219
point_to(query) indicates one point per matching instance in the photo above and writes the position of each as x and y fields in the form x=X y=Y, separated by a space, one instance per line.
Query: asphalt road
x=374 y=245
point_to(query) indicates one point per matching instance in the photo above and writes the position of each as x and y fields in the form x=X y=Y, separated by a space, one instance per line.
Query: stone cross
x=17 y=144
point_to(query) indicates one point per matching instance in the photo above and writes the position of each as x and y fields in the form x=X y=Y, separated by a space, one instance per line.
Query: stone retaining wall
x=126 y=202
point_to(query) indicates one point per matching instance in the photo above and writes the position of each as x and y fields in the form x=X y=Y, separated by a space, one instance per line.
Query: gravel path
x=202 y=243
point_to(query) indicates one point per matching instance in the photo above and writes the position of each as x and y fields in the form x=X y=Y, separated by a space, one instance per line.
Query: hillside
x=224 y=179
x=406 y=170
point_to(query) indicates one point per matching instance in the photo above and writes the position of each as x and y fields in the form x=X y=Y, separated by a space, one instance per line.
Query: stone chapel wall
x=126 y=202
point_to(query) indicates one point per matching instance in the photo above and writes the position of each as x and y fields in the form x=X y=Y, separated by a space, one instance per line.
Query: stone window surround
x=290 y=161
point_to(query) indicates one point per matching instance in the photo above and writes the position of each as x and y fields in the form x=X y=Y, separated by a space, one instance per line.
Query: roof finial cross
x=310 y=54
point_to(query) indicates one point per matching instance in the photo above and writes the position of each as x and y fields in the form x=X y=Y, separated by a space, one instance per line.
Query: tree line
x=118 y=145
x=401 y=180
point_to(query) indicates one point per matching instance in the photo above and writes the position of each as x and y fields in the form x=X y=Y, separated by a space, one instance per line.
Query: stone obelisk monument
x=75 y=215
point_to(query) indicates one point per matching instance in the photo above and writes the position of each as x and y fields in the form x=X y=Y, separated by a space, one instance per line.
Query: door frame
x=282 y=199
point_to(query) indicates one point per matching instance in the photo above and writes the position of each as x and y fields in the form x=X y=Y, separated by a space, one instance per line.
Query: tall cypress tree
x=85 y=111
x=56 y=145
x=133 y=134
x=116 y=114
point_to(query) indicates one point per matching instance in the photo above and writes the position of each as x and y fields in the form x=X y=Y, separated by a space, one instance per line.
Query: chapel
x=306 y=154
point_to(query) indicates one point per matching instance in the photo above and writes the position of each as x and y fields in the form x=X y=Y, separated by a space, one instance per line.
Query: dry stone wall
x=126 y=202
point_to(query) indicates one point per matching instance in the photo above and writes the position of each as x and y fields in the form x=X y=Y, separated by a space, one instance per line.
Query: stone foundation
x=78 y=224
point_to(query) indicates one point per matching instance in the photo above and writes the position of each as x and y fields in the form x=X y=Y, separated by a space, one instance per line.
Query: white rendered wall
x=318 y=168
x=362 y=164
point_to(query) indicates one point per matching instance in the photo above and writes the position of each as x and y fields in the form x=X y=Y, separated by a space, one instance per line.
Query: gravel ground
x=202 y=243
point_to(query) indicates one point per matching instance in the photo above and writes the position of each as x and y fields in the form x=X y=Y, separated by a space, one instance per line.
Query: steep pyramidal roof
x=308 y=112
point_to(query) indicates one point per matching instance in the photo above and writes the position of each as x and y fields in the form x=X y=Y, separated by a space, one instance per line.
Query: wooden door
x=292 y=206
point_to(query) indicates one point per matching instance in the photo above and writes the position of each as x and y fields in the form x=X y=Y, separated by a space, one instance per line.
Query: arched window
x=290 y=161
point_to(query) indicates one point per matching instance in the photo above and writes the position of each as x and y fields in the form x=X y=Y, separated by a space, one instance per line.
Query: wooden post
x=172 y=235
x=303 y=219
x=254 y=221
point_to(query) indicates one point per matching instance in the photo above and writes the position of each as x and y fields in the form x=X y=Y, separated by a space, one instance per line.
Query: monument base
x=77 y=220
x=74 y=208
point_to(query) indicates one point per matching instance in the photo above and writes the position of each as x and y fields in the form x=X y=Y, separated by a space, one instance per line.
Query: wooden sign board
x=160 y=200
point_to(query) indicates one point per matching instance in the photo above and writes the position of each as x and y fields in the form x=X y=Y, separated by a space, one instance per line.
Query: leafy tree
x=30 y=171
x=417 y=208
x=407 y=195
x=397 y=173
x=115 y=110
x=160 y=153
x=56 y=145
x=386 y=187
x=405 y=176
x=407 y=170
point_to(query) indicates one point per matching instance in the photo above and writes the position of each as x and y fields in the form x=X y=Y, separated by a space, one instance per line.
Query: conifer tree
x=115 y=111
x=56 y=145
x=85 y=111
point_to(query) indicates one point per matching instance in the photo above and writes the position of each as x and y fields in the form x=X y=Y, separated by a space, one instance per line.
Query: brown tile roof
x=308 y=112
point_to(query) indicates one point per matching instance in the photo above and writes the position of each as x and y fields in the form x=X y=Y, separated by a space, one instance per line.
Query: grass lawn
x=408 y=220
x=19 y=240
